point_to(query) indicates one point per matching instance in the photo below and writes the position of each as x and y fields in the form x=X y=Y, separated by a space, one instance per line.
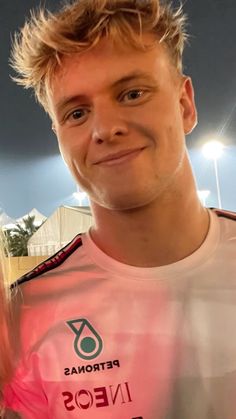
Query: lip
x=120 y=157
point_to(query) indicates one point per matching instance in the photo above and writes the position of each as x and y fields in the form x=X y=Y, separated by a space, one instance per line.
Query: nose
x=108 y=125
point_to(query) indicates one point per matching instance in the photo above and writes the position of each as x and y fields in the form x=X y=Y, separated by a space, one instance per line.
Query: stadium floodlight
x=213 y=150
x=80 y=196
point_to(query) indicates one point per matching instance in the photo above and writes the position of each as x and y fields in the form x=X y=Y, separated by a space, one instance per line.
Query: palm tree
x=17 y=237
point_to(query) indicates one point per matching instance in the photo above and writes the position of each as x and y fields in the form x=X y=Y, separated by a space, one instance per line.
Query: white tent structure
x=38 y=217
x=6 y=221
x=59 y=229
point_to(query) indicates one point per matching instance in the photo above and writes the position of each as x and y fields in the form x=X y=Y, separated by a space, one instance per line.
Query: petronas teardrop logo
x=87 y=344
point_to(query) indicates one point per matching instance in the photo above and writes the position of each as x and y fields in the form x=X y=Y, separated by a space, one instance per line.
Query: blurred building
x=59 y=229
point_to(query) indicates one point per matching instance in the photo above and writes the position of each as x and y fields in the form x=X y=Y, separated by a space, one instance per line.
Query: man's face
x=121 y=116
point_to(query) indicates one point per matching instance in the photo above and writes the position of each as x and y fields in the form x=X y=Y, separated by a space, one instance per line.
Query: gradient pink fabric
x=109 y=341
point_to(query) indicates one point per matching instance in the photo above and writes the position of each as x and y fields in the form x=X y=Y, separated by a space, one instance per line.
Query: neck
x=160 y=233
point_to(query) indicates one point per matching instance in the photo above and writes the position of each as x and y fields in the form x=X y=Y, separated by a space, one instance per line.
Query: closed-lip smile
x=119 y=157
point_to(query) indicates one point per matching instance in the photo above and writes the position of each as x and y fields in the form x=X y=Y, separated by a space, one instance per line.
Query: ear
x=187 y=105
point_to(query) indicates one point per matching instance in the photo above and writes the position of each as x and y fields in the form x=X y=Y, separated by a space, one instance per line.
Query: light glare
x=213 y=149
x=79 y=196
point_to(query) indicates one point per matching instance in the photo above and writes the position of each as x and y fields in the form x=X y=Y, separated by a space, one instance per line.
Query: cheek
x=70 y=149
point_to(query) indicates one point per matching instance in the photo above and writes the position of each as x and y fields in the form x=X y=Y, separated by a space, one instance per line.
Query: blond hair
x=78 y=26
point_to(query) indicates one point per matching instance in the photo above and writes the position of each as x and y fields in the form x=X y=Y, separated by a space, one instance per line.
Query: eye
x=77 y=116
x=132 y=95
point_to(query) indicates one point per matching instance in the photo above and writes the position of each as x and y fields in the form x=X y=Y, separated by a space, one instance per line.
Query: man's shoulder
x=52 y=263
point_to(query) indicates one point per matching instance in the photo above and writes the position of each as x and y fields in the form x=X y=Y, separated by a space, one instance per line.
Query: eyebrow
x=65 y=101
x=130 y=77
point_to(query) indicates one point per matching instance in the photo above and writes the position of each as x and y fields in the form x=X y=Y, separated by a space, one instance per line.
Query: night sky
x=32 y=173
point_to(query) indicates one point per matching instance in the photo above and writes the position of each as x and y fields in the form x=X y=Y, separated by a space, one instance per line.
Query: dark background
x=32 y=173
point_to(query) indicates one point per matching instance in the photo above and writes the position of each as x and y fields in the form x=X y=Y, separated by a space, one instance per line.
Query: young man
x=135 y=319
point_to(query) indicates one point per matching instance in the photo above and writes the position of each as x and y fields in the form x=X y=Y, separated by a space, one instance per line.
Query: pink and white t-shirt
x=104 y=340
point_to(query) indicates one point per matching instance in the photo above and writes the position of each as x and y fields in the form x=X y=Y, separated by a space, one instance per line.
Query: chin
x=125 y=203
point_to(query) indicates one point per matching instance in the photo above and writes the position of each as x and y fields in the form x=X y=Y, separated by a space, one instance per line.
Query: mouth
x=118 y=158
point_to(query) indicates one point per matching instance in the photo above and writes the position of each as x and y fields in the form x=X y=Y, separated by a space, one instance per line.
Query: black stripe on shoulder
x=52 y=262
x=224 y=213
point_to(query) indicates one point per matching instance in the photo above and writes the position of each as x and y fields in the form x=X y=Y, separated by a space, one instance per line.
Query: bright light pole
x=213 y=150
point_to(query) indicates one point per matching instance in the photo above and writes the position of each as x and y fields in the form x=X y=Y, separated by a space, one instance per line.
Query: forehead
x=100 y=67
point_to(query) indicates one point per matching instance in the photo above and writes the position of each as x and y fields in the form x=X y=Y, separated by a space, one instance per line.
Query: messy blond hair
x=79 y=25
